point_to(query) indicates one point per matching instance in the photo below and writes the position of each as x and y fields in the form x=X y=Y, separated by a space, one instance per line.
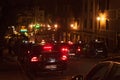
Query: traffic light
x=37 y=26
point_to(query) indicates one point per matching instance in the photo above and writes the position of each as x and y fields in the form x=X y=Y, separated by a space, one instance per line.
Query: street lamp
x=74 y=26
x=74 y=31
x=101 y=21
x=56 y=26
x=98 y=19
x=102 y=25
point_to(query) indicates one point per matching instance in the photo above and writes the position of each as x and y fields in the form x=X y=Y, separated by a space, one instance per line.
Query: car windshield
x=36 y=49
x=115 y=73
x=99 y=45
x=98 y=72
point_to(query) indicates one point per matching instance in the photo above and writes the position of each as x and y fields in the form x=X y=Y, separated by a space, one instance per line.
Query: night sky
x=30 y=2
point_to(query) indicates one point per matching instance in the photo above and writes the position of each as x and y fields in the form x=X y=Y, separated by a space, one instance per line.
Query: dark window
x=91 y=24
x=103 y=5
x=91 y=6
x=98 y=72
x=115 y=73
x=86 y=7
x=107 y=25
x=85 y=23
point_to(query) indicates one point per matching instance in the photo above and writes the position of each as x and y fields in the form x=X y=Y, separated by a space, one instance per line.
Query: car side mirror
x=77 y=77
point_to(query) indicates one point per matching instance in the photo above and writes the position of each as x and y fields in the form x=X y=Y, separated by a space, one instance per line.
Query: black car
x=44 y=58
x=106 y=70
x=96 y=49
x=72 y=49
x=79 y=48
x=113 y=58
x=75 y=49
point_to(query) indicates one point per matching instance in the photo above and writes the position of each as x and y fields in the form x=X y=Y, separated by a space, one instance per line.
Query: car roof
x=115 y=58
x=102 y=63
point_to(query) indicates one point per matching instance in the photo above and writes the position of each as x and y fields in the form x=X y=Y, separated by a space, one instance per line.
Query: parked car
x=106 y=70
x=96 y=49
x=45 y=58
x=114 y=58
x=79 y=49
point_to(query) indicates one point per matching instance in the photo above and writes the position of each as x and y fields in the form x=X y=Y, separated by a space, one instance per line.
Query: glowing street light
x=98 y=18
x=74 y=26
x=101 y=21
x=56 y=26
x=71 y=25
x=31 y=26
x=101 y=18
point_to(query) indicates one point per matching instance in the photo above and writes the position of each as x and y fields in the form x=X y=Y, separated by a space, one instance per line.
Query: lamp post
x=102 y=25
x=98 y=22
x=102 y=21
x=74 y=29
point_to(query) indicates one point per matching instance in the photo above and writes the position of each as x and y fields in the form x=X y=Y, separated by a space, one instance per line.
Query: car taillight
x=79 y=49
x=28 y=52
x=34 y=59
x=47 y=48
x=64 y=49
x=64 y=57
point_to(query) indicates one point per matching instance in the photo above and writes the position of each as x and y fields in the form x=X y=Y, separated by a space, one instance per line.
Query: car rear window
x=99 y=45
x=36 y=49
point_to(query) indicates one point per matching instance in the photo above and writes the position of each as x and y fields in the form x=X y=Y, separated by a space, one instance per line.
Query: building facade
x=96 y=19
x=100 y=20
x=114 y=22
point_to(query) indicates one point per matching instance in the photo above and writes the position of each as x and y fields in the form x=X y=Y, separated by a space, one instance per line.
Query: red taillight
x=64 y=49
x=34 y=59
x=28 y=52
x=47 y=47
x=78 y=49
x=64 y=57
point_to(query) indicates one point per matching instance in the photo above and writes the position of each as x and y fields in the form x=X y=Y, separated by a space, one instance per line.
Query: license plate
x=51 y=60
x=51 y=66
x=100 y=50
x=72 y=54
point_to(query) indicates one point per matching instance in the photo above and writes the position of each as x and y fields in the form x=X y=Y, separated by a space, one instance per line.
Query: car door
x=115 y=72
x=99 y=72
